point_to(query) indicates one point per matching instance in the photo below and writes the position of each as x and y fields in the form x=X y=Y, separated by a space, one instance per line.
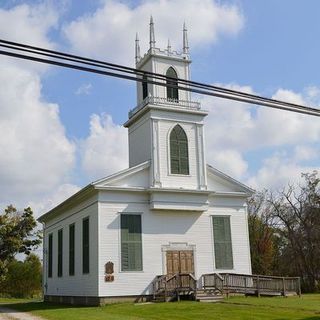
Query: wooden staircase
x=208 y=295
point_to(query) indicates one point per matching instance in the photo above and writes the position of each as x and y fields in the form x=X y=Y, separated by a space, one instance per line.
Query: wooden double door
x=180 y=262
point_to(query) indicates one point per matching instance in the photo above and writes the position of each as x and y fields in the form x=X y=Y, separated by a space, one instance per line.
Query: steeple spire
x=185 y=39
x=169 y=46
x=138 y=56
x=152 y=37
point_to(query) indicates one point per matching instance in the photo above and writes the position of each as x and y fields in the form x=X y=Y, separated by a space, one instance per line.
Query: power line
x=124 y=72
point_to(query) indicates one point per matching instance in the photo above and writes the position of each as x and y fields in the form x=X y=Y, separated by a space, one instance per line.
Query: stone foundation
x=94 y=301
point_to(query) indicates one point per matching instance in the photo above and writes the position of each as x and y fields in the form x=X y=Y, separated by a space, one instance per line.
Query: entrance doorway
x=181 y=261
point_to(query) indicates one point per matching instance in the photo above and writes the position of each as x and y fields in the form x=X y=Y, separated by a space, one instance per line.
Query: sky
x=62 y=129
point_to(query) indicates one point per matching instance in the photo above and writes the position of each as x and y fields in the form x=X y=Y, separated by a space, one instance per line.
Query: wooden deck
x=213 y=286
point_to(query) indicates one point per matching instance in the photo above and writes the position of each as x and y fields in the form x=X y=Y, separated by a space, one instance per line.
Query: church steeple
x=166 y=126
x=158 y=60
x=152 y=41
x=169 y=46
x=137 y=57
x=185 y=39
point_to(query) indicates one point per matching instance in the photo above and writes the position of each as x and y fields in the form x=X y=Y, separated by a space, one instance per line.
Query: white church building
x=170 y=212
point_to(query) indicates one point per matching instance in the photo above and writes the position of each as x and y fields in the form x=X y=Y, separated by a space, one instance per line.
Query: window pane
x=85 y=246
x=222 y=243
x=60 y=252
x=172 y=90
x=50 y=256
x=131 y=242
x=179 y=158
x=71 y=249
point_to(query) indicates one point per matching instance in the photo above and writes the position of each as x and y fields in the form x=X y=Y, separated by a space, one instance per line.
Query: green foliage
x=23 y=279
x=263 y=237
x=285 y=232
x=17 y=235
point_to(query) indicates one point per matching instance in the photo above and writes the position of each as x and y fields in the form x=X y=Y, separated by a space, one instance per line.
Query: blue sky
x=62 y=129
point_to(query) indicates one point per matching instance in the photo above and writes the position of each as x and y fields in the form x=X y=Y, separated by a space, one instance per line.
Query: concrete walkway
x=10 y=314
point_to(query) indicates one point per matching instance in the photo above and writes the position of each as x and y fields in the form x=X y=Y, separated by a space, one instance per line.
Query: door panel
x=180 y=262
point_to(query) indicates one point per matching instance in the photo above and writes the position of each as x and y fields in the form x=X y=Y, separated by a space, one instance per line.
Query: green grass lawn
x=307 y=308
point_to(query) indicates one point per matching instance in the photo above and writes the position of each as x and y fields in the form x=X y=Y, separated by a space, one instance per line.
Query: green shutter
x=71 y=249
x=50 y=256
x=131 y=242
x=60 y=252
x=179 y=159
x=85 y=246
x=222 y=243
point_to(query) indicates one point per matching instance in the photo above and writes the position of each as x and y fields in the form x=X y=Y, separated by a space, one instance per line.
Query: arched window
x=172 y=90
x=179 y=158
x=144 y=87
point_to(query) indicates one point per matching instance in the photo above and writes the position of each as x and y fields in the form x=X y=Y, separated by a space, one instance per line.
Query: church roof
x=136 y=179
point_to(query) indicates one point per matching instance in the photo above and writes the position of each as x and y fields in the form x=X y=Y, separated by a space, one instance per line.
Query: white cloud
x=278 y=171
x=231 y=161
x=28 y=24
x=36 y=156
x=84 y=89
x=233 y=129
x=109 y=32
x=105 y=151
x=52 y=199
x=305 y=152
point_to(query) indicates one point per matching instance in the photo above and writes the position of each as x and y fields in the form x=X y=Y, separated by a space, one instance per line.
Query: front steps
x=208 y=296
x=201 y=296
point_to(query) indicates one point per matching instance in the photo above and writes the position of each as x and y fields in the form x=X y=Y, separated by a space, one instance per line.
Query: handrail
x=188 y=104
x=174 y=284
x=251 y=284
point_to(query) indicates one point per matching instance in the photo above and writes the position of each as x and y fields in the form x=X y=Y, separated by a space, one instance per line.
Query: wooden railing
x=252 y=284
x=173 y=285
x=212 y=281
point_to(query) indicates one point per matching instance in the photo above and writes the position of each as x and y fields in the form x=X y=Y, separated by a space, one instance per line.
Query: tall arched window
x=179 y=158
x=172 y=90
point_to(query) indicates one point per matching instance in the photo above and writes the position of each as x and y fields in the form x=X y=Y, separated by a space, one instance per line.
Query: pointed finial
x=185 y=39
x=137 y=49
x=152 y=37
x=169 y=46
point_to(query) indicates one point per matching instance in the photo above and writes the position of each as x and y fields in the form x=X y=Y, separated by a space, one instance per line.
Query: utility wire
x=132 y=74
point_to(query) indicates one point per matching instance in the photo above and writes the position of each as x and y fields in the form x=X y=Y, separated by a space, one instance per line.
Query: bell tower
x=166 y=126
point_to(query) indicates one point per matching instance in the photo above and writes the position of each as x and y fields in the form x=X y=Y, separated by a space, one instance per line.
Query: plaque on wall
x=109 y=270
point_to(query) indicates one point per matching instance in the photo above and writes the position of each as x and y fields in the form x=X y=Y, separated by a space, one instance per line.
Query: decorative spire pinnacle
x=185 y=39
x=138 y=56
x=169 y=46
x=152 y=37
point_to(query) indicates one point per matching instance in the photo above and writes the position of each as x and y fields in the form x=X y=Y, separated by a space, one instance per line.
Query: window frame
x=60 y=253
x=50 y=254
x=179 y=158
x=85 y=247
x=130 y=214
x=72 y=249
x=172 y=92
x=145 y=91
x=214 y=243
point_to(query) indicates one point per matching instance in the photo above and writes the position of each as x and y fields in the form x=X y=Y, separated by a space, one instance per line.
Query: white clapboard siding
x=80 y=284
x=158 y=230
